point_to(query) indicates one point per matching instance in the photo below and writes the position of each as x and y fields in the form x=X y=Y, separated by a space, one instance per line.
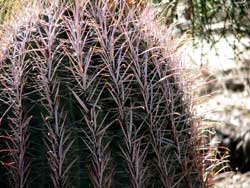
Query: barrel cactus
x=90 y=97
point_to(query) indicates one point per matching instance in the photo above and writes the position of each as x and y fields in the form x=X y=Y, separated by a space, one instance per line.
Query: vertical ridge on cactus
x=108 y=101
x=13 y=77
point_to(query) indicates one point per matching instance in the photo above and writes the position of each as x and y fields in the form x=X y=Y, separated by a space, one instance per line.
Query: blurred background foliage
x=210 y=20
x=203 y=13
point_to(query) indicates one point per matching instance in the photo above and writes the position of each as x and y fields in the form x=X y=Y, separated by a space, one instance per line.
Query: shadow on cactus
x=89 y=98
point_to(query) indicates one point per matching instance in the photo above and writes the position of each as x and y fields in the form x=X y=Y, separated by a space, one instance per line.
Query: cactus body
x=97 y=101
